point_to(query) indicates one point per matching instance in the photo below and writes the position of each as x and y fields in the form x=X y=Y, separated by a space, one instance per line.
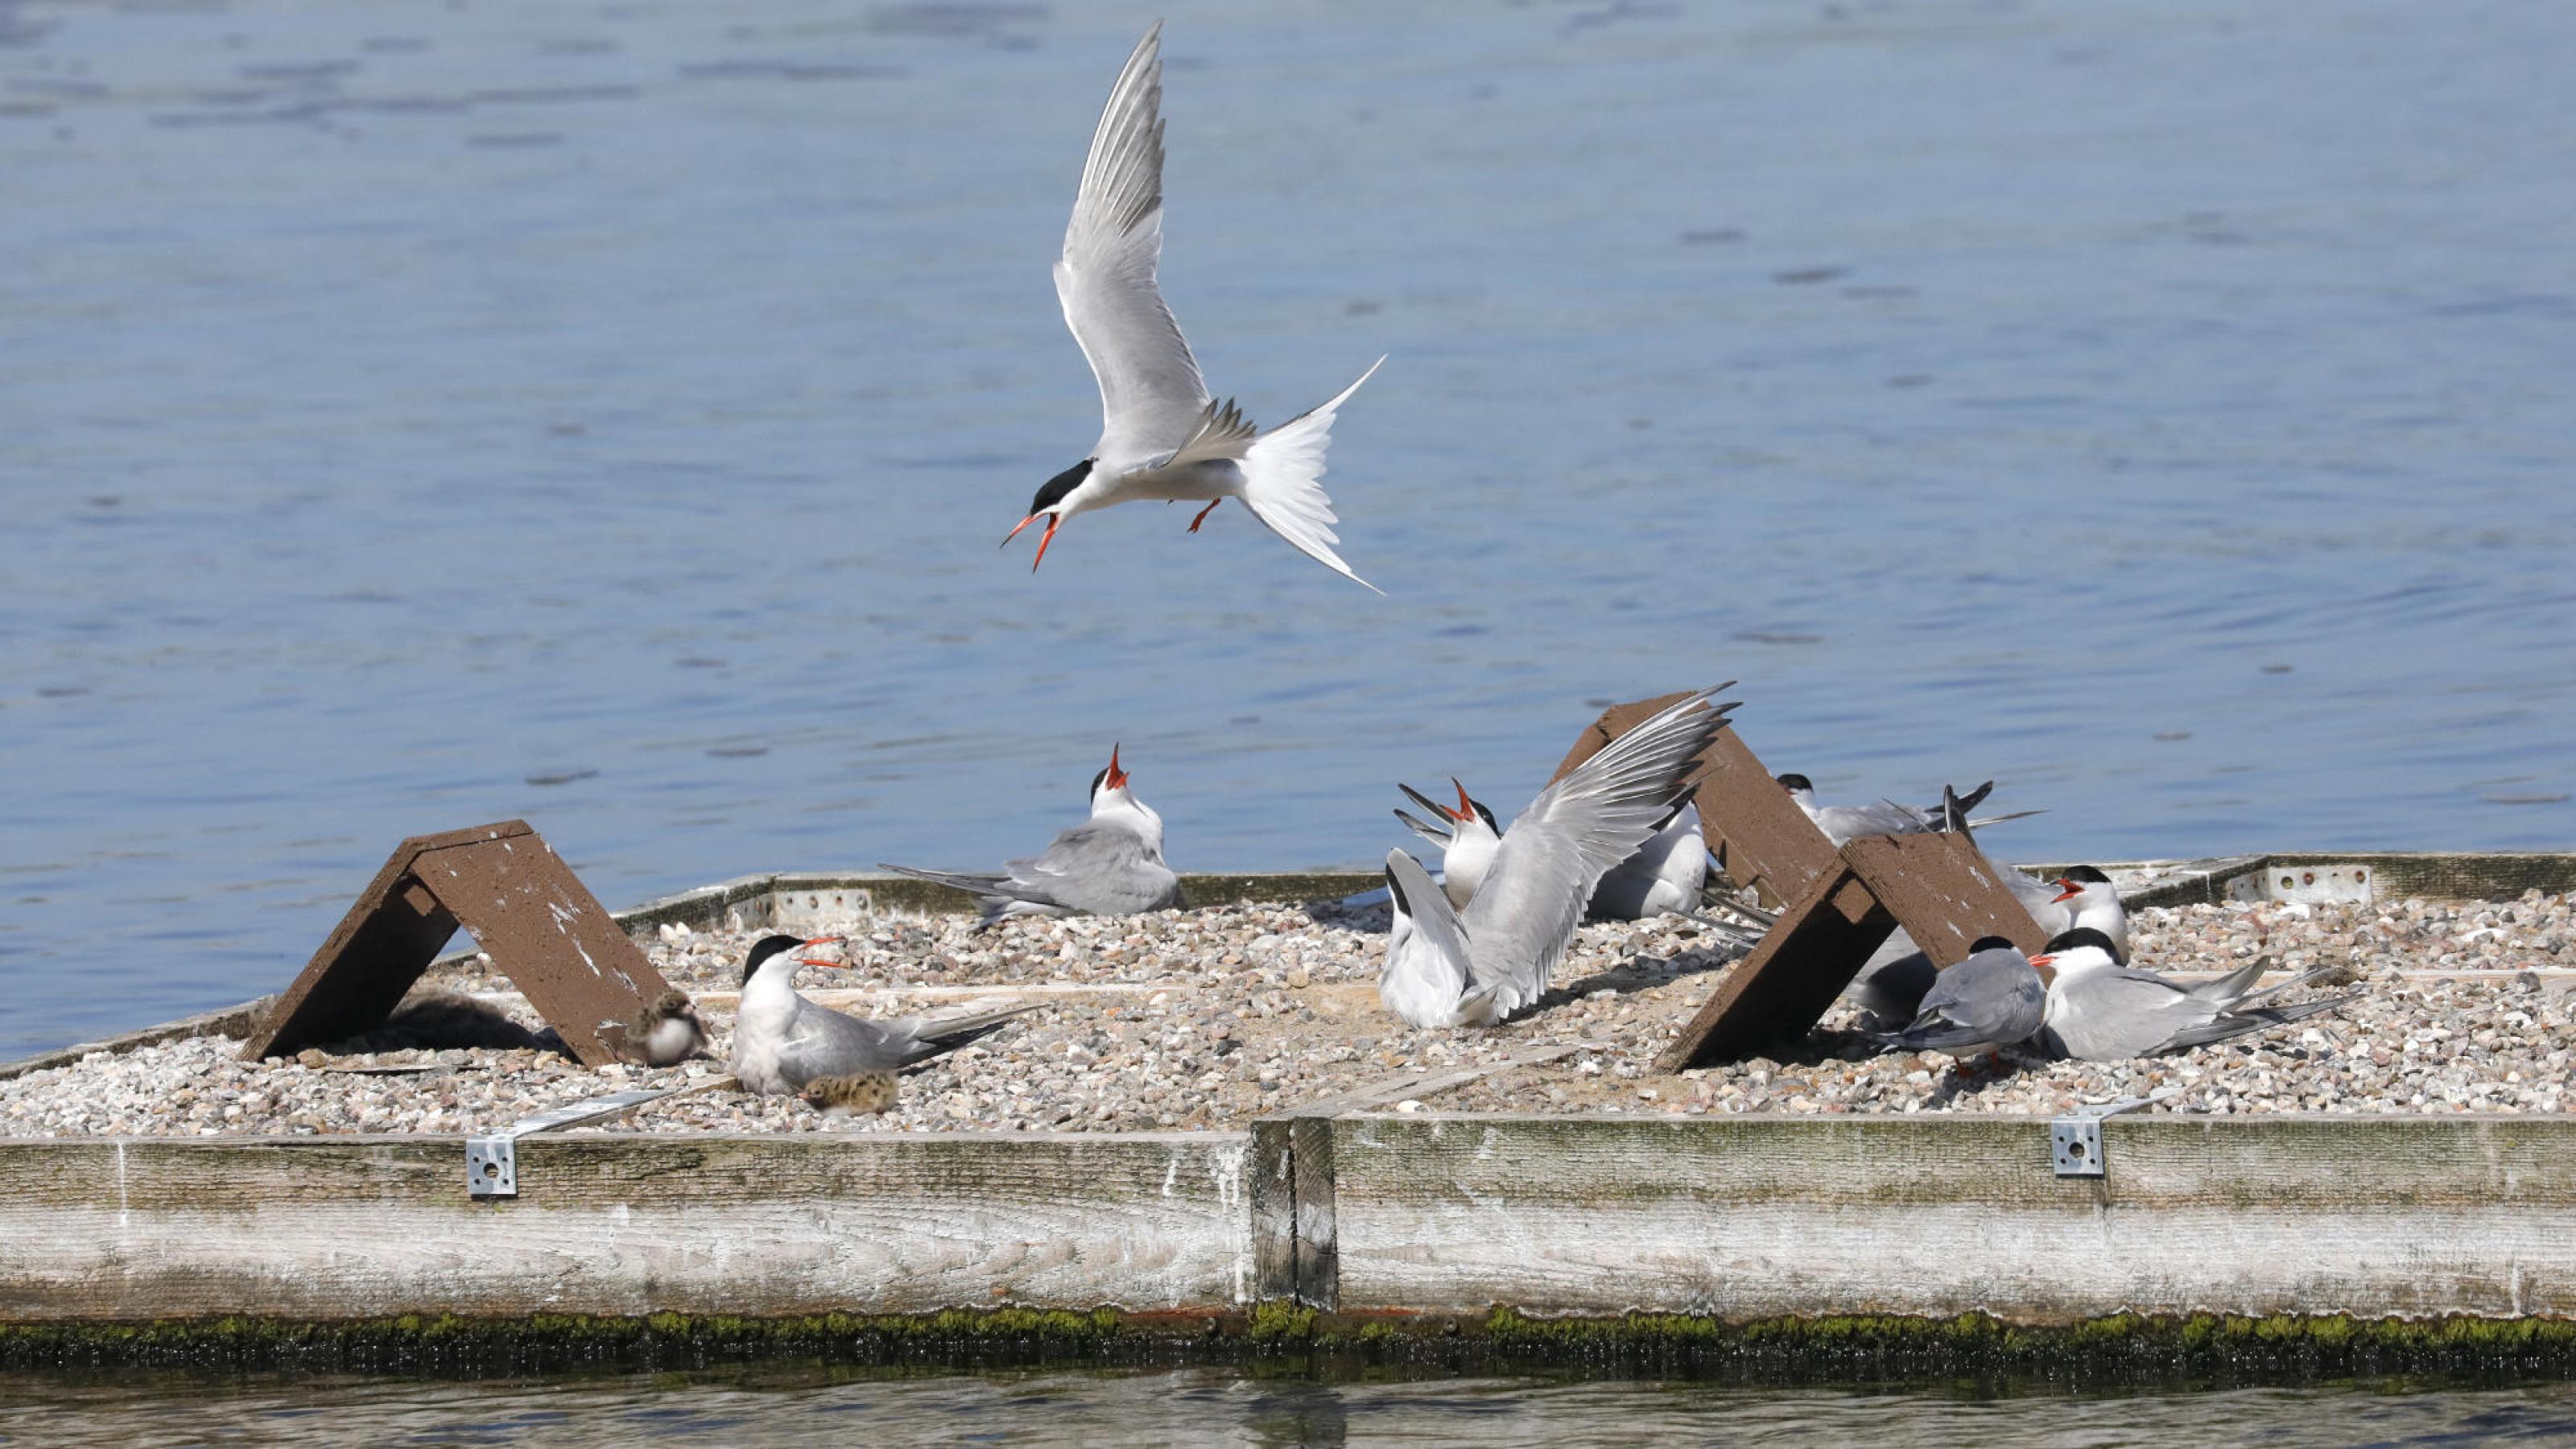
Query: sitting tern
x=1445 y=967
x=1666 y=874
x=1162 y=436
x=1989 y=1001
x=1110 y=865
x=783 y=1043
x=2101 y=1011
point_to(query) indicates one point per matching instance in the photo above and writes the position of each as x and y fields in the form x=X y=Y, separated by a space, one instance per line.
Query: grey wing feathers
x=2251 y=1019
x=1423 y=828
x=1427 y=905
x=981 y=883
x=1222 y=432
x=1104 y=869
x=1998 y=998
x=821 y=1042
x=938 y=1038
x=1555 y=852
x=1149 y=383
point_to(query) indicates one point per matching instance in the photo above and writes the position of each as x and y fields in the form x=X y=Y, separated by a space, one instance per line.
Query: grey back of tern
x=1110 y=865
x=1991 y=1000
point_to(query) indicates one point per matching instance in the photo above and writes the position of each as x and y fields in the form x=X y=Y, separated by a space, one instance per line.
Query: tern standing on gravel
x=1162 y=436
x=1110 y=865
x=1474 y=968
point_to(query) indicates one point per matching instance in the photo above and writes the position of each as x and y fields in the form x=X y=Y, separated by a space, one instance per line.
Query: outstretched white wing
x=1151 y=394
x=1557 y=850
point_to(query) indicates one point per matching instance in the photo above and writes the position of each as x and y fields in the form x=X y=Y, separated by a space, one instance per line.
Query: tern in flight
x=1162 y=436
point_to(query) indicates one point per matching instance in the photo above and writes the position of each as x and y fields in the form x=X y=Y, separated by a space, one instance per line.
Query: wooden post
x=525 y=908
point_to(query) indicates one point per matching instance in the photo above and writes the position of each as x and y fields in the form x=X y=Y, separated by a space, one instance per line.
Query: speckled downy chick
x=667 y=1032
x=851 y=1095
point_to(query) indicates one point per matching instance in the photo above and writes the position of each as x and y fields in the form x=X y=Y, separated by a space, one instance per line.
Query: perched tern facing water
x=1446 y=967
x=1110 y=865
x=1162 y=436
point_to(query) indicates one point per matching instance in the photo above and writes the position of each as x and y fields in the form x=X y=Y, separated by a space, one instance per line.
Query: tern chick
x=853 y=1095
x=667 y=1031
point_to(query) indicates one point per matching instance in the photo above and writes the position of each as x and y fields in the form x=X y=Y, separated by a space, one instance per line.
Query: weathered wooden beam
x=335 y=1228
x=1756 y=1217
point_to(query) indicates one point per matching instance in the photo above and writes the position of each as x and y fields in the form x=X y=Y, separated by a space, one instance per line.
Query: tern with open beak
x=1466 y=835
x=1110 y=865
x=782 y=1042
x=1446 y=967
x=1162 y=436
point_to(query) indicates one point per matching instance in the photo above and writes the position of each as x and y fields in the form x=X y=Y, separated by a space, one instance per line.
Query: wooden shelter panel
x=523 y=906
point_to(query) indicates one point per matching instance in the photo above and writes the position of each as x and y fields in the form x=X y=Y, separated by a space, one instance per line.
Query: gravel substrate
x=1204 y=1018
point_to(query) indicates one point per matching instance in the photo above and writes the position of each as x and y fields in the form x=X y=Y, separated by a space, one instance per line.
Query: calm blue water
x=798 y=1405
x=416 y=414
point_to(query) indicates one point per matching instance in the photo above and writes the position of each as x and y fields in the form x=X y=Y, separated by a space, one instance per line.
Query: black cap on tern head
x=2081 y=936
x=1061 y=484
x=1794 y=782
x=762 y=950
x=1991 y=943
x=2089 y=874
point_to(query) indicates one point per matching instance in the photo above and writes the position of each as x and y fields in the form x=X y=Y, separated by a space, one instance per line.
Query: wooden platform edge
x=1396 y=1213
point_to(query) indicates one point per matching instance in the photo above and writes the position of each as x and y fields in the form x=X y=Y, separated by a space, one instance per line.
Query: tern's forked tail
x=1281 y=473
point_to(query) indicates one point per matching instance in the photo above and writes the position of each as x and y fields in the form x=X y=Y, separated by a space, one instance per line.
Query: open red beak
x=2067 y=890
x=822 y=941
x=1466 y=808
x=2043 y=960
x=1044 y=539
x=1117 y=777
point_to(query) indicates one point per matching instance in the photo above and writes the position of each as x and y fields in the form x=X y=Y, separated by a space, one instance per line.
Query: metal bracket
x=491 y=1167
x=492 y=1160
x=2075 y=1140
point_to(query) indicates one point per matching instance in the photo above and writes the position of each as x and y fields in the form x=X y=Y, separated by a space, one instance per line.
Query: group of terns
x=1613 y=838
